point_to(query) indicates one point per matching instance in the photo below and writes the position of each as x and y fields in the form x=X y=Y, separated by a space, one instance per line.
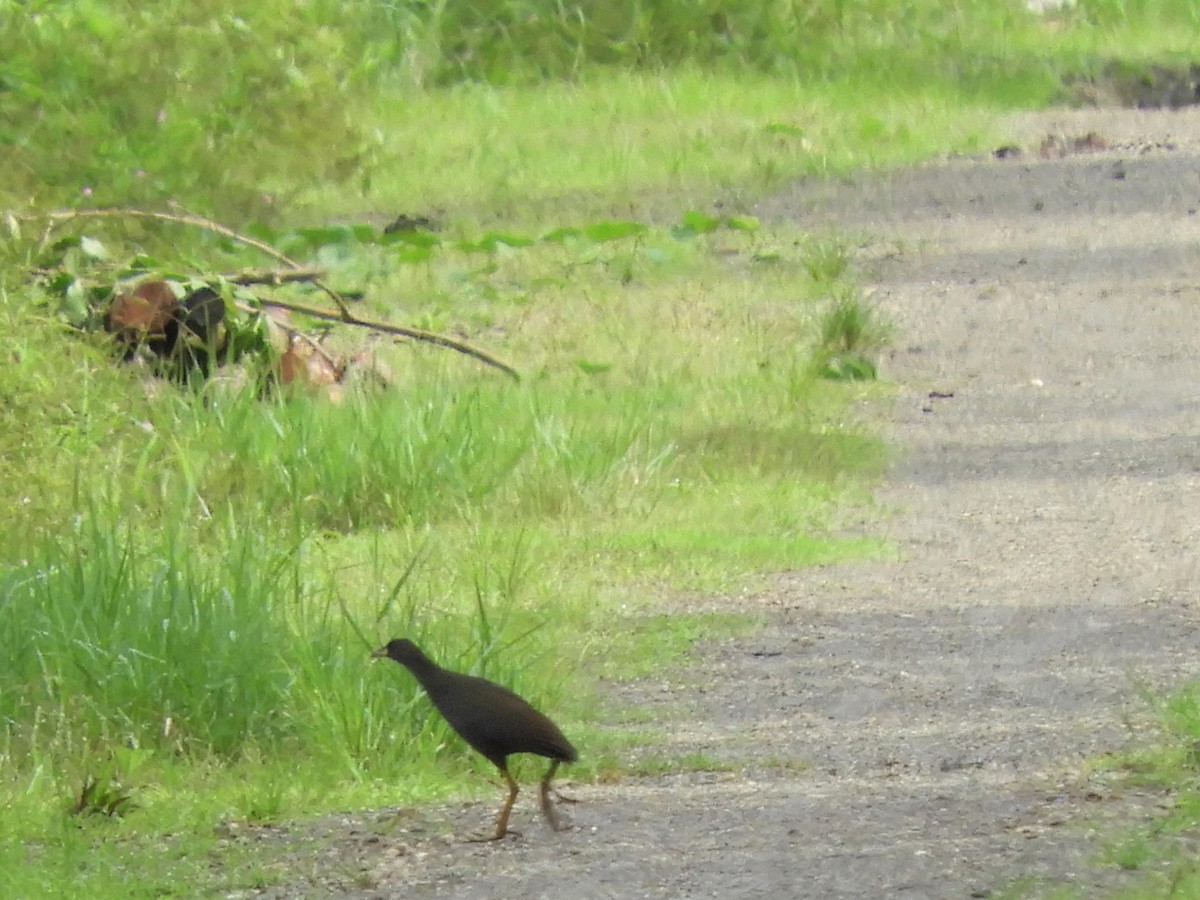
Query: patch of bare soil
x=918 y=726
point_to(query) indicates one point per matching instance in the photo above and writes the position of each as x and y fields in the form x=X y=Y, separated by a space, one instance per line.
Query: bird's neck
x=425 y=670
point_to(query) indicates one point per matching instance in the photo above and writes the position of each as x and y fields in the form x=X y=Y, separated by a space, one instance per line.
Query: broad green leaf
x=414 y=254
x=561 y=235
x=324 y=235
x=75 y=302
x=743 y=223
x=60 y=282
x=494 y=239
x=508 y=239
x=92 y=248
x=141 y=263
x=700 y=223
x=98 y=19
x=412 y=238
x=613 y=231
x=260 y=230
x=849 y=367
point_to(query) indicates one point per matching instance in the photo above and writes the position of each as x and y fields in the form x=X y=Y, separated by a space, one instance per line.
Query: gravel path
x=916 y=727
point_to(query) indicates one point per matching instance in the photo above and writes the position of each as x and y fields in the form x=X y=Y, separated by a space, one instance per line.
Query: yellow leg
x=548 y=807
x=502 y=819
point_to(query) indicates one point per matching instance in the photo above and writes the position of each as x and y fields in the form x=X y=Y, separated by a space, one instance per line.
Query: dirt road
x=915 y=727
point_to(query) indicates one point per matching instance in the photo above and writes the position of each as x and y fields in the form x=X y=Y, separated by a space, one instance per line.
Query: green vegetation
x=851 y=334
x=1159 y=856
x=1163 y=854
x=242 y=113
x=194 y=576
x=191 y=577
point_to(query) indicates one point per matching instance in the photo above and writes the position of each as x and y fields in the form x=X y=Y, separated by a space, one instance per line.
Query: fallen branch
x=56 y=218
x=274 y=276
x=418 y=334
x=294 y=272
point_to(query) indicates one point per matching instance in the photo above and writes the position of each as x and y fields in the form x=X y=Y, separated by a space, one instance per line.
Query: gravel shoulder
x=918 y=726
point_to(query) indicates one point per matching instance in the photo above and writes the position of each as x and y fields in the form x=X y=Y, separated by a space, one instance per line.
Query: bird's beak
x=379 y=654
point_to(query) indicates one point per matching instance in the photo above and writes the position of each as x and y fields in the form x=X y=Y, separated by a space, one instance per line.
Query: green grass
x=1163 y=854
x=688 y=762
x=852 y=333
x=238 y=113
x=477 y=153
x=1157 y=857
x=190 y=601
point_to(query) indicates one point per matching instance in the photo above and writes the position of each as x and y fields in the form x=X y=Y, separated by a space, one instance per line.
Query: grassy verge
x=1159 y=855
x=1163 y=854
x=196 y=580
x=630 y=141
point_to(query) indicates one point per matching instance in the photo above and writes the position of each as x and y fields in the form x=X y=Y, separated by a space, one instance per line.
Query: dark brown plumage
x=184 y=336
x=492 y=719
x=201 y=329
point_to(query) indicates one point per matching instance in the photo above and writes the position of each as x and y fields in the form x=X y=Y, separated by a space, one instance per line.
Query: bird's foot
x=496 y=836
x=551 y=814
x=563 y=798
x=548 y=810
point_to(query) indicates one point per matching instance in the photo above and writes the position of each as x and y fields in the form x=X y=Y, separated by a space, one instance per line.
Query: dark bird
x=202 y=336
x=183 y=336
x=492 y=719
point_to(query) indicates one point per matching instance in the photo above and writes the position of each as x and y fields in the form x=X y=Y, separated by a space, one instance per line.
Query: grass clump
x=110 y=644
x=852 y=332
x=102 y=795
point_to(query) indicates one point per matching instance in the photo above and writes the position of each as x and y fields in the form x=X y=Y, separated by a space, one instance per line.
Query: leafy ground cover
x=194 y=576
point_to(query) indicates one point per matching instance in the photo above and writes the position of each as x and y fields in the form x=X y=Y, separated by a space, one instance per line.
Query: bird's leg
x=502 y=819
x=547 y=807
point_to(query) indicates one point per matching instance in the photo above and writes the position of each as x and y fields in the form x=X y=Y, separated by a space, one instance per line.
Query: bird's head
x=402 y=650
